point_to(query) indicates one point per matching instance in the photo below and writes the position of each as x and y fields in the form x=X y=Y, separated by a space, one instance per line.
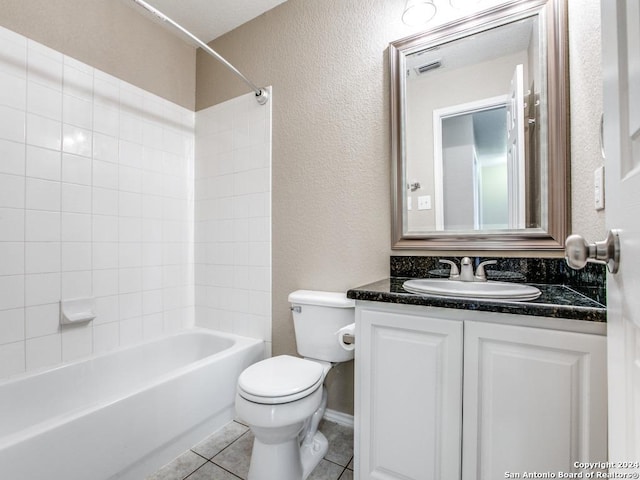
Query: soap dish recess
x=79 y=310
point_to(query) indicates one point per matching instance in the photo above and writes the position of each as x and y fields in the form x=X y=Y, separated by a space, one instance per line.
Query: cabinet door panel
x=534 y=400
x=410 y=396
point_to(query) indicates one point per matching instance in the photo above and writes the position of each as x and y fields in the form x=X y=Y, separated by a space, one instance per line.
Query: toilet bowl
x=283 y=398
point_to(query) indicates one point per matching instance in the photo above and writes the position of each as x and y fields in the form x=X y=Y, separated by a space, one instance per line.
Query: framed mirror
x=479 y=112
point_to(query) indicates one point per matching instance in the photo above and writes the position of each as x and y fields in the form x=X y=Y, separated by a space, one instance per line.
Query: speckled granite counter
x=568 y=294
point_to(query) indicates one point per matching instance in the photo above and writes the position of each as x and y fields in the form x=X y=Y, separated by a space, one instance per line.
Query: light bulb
x=418 y=12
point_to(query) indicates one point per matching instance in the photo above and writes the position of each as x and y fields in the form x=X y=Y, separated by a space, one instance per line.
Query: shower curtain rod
x=262 y=95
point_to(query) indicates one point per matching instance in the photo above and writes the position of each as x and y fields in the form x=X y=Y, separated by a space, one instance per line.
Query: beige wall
x=112 y=37
x=328 y=65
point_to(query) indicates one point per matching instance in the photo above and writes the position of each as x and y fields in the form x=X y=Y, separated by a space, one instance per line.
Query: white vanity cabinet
x=445 y=394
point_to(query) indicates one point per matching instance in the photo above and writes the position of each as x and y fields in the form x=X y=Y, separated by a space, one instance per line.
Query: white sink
x=475 y=290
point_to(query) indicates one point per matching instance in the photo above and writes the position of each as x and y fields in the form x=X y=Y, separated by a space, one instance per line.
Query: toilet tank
x=317 y=317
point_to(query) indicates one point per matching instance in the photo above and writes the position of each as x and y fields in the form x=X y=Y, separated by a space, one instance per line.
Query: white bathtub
x=123 y=414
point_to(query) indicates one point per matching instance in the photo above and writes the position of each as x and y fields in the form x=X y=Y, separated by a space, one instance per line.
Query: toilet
x=283 y=398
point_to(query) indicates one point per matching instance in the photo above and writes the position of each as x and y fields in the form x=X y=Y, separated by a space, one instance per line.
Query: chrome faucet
x=454 y=274
x=466 y=270
x=480 y=276
x=465 y=274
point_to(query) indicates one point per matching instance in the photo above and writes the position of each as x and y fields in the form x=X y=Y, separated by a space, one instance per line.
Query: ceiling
x=208 y=19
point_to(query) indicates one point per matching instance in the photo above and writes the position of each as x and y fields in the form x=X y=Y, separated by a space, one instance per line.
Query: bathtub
x=123 y=414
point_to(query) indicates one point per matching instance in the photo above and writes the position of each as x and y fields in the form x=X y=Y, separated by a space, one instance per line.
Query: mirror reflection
x=473 y=131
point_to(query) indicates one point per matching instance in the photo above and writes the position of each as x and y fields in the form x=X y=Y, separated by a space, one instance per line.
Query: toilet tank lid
x=323 y=299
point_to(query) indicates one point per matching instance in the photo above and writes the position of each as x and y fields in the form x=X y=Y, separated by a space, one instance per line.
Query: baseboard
x=340 y=418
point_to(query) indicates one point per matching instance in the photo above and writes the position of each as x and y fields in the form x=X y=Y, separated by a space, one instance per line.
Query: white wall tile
x=130 y=229
x=14 y=49
x=76 y=285
x=77 y=140
x=76 y=198
x=42 y=226
x=106 y=120
x=11 y=325
x=44 y=66
x=13 y=157
x=12 y=124
x=233 y=247
x=105 y=147
x=129 y=204
x=76 y=227
x=105 y=255
x=12 y=292
x=12 y=258
x=42 y=288
x=77 y=342
x=43 y=351
x=152 y=325
x=76 y=256
x=13 y=91
x=77 y=79
x=131 y=331
x=106 y=337
x=12 y=358
x=105 y=282
x=130 y=280
x=77 y=111
x=96 y=189
x=130 y=305
x=107 y=310
x=44 y=101
x=42 y=257
x=130 y=154
x=43 y=132
x=105 y=228
x=12 y=191
x=42 y=163
x=42 y=320
x=12 y=223
x=76 y=169
x=43 y=194
x=105 y=201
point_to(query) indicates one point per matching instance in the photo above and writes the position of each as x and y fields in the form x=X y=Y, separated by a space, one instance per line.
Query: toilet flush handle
x=296 y=308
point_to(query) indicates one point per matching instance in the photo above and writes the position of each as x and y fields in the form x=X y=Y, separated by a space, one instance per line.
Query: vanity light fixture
x=418 y=12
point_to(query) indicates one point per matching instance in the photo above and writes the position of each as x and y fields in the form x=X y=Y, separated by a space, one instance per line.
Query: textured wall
x=110 y=36
x=327 y=62
x=586 y=109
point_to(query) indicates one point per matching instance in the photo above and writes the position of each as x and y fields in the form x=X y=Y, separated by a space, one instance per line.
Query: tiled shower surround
x=97 y=200
x=233 y=218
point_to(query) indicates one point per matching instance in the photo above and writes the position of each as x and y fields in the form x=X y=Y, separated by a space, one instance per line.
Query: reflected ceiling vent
x=428 y=66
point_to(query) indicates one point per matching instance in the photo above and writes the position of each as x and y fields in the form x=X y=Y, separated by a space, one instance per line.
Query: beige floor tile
x=236 y=457
x=340 y=442
x=326 y=471
x=224 y=437
x=179 y=468
x=209 y=471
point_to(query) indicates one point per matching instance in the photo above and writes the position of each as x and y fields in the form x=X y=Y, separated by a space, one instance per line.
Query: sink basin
x=475 y=290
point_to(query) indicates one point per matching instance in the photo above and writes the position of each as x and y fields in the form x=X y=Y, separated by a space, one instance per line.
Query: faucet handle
x=480 y=275
x=454 y=273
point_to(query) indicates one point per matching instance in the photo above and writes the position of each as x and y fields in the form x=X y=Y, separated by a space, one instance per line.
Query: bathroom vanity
x=470 y=389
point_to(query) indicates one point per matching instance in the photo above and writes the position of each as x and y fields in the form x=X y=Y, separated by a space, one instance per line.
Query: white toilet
x=282 y=398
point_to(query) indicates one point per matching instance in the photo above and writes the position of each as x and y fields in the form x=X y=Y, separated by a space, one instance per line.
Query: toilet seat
x=280 y=379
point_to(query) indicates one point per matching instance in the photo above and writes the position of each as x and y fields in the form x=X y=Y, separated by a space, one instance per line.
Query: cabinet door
x=408 y=397
x=534 y=400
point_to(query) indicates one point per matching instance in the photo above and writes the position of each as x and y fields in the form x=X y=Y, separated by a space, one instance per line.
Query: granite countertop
x=559 y=301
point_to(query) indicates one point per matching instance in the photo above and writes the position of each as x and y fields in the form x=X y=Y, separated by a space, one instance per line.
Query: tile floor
x=225 y=456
